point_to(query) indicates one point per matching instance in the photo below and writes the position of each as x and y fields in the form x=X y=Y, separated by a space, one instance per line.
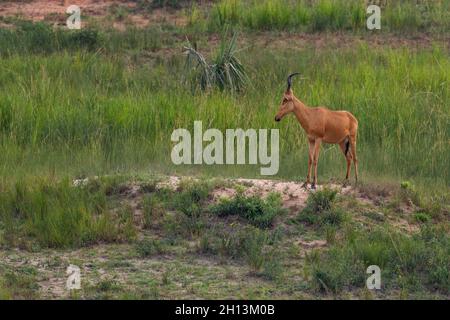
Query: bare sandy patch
x=293 y=195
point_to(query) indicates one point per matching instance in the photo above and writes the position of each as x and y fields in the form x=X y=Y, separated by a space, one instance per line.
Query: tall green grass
x=319 y=15
x=82 y=113
x=59 y=214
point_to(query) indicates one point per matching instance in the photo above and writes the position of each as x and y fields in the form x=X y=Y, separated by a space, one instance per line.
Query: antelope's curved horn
x=289 y=80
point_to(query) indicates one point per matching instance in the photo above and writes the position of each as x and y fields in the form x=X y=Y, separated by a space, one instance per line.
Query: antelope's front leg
x=310 y=160
x=316 y=160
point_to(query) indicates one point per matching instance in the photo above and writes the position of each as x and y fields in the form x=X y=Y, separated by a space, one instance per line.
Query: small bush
x=259 y=212
x=191 y=196
x=422 y=217
x=321 y=210
x=320 y=201
x=332 y=217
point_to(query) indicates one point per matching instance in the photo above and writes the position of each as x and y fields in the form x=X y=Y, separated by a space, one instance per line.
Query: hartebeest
x=322 y=125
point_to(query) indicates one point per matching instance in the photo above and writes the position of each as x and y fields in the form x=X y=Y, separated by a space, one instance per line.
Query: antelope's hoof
x=313 y=186
x=305 y=185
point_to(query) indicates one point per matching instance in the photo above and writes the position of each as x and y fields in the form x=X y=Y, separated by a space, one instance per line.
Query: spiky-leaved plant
x=226 y=72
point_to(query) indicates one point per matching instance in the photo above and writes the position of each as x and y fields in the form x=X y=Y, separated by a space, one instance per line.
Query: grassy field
x=102 y=102
x=320 y=15
x=79 y=107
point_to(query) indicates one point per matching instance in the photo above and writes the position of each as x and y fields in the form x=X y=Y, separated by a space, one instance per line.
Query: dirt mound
x=294 y=196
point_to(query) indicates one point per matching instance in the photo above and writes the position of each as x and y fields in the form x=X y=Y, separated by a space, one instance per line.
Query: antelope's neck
x=301 y=113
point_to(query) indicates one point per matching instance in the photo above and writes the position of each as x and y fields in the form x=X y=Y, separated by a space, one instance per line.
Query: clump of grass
x=147 y=248
x=272 y=268
x=118 y=12
x=321 y=209
x=374 y=215
x=259 y=212
x=107 y=285
x=179 y=225
x=191 y=226
x=153 y=210
x=408 y=193
x=250 y=244
x=106 y=288
x=422 y=217
x=189 y=201
x=19 y=284
x=253 y=247
x=149 y=186
x=191 y=196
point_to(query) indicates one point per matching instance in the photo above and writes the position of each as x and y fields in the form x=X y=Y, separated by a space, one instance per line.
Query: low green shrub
x=259 y=212
x=321 y=209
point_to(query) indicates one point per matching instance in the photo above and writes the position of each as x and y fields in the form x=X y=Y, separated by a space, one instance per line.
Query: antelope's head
x=287 y=104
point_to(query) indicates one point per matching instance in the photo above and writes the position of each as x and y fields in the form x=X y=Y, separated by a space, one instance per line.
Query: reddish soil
x=55 y=11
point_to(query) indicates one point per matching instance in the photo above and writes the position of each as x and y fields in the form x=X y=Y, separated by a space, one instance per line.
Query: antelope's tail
x=347 y=145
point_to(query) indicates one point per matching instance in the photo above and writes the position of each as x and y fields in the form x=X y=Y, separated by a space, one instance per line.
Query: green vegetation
x=147 y=248
x=321 y=209
x=259 y=212
x=254 y=246
x=77 y=113
x=18 y=284
x=320 y=15
x=226 y=71
x=407 y=263
x=85 y=124
x=40 y=38
x=59 y=214
x=176 y=241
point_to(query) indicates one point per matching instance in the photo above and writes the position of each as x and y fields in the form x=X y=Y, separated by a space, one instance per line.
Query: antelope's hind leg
x=355 y=159
x=348 y=158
